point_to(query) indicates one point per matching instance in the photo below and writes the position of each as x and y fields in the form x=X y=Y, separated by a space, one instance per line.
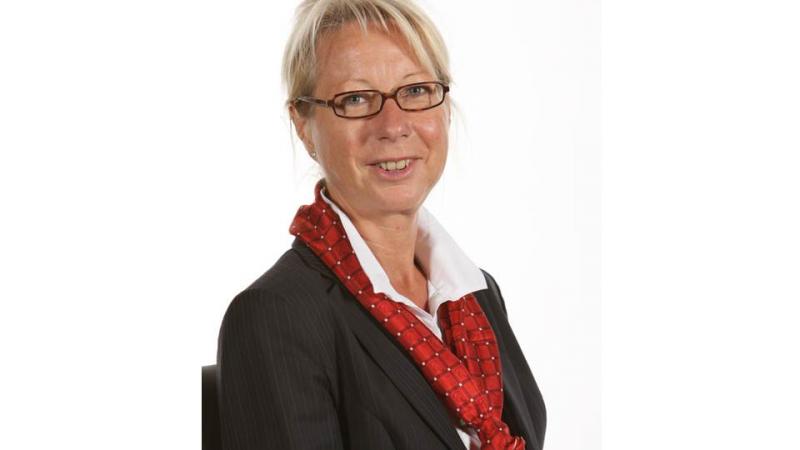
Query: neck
x=392 y=241
x=391 y=238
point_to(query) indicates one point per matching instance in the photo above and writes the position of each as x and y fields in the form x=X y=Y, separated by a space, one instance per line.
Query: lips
x=393 y=174
x=395 y=159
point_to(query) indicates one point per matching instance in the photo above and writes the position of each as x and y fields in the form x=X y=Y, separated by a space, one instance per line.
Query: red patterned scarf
x=464 y=370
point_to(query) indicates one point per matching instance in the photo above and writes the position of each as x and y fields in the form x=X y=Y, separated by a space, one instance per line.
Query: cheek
x=338 y=144
x=433 y=132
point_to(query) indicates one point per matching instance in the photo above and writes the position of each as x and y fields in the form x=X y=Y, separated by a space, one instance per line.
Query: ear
x=302 y=128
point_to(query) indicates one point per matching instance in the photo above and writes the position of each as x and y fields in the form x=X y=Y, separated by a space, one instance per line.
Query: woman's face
x=349 y=149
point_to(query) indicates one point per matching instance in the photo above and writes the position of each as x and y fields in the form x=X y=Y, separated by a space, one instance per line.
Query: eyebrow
x=412 y=74
x=361 y=80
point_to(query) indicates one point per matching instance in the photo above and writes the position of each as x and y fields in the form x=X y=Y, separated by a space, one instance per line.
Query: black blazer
x=304 y=366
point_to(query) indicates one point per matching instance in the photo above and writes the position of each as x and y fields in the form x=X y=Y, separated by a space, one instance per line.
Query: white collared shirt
x=451 y=275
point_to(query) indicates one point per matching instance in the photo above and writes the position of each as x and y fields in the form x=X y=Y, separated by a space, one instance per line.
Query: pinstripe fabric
x=303 y=366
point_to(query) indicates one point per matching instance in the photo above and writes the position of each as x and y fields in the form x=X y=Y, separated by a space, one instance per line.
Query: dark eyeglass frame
x=384 y=96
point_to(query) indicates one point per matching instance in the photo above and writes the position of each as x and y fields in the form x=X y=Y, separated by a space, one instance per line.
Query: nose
x=392 y=123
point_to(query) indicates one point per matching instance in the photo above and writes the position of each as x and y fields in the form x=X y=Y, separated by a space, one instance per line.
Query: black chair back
x=211 y=425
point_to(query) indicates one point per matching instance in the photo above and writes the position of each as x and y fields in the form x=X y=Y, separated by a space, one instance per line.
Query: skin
x=384 y=212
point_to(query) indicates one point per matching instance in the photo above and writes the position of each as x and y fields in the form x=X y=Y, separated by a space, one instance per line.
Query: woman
x=374 y=331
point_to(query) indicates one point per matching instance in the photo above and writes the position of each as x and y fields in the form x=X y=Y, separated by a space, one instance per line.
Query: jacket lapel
x=390 y=357
x=513 y=400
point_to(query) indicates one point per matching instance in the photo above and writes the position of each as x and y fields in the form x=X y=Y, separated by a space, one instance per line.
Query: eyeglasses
x=369 y=102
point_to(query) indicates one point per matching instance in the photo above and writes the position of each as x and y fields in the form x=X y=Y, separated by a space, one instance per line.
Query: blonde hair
x=317 y=17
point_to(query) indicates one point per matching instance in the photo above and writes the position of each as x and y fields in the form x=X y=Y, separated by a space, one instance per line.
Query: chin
x=401 y=200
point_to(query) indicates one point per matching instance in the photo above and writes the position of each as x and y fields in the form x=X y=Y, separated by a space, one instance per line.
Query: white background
x=147 y=176
x=701 y=212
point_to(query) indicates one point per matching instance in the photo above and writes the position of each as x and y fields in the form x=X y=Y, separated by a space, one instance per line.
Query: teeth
x=394 y=165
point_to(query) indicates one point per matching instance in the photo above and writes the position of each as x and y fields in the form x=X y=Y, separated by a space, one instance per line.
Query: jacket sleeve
x=275 y=391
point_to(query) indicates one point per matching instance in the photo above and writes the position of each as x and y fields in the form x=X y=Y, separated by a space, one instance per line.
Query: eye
x=420 y=89
x=353 y=99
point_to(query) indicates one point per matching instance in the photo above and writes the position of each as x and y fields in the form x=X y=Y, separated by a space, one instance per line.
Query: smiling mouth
x=395 y=170
x=399 y=164
x=394 y=164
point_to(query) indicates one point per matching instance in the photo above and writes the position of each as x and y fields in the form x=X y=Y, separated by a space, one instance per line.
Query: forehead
x=350 y=56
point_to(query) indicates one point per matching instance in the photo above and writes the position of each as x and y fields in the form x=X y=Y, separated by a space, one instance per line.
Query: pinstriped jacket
x=303 y=366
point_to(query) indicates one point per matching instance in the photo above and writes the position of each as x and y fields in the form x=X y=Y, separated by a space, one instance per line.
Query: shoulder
x=290 y=275
x=284 y=315
x=489 y=278
x=493 y=292
x=289 y=290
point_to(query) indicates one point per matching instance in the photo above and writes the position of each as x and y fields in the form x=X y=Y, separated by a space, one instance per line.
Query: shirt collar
x=451 y=274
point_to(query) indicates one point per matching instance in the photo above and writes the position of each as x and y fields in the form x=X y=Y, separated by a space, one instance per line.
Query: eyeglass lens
x=363 y=103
